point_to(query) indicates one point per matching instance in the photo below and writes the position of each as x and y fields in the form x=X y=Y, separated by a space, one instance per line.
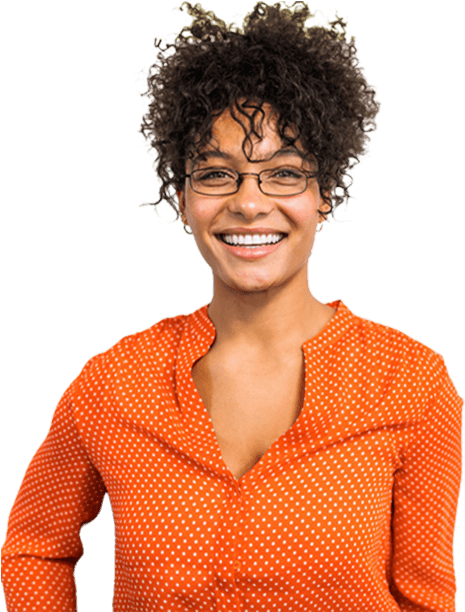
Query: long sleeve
x=352 y=508
x=60 y=492
x=425 y=502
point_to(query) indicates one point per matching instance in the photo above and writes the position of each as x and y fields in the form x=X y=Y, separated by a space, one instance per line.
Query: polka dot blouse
x=351 y=510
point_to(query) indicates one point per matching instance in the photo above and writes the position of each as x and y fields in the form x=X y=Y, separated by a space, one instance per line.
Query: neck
x=272 y=321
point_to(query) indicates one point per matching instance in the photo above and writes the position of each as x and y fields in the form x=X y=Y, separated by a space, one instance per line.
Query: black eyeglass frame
x=239 y=181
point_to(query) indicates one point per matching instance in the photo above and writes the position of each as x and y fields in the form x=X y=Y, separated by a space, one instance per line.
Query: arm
x=425 y=500
x=60 y=492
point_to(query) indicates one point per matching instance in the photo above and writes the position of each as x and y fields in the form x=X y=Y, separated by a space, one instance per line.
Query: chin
x=251 y=285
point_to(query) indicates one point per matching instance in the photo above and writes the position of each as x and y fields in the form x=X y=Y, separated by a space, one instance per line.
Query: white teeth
x=252 y=238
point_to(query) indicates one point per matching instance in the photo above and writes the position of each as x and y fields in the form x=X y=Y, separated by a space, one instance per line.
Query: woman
x=266 y=452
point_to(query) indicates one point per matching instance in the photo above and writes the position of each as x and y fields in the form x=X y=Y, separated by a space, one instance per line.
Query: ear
x=324 y=206
x=181 y=200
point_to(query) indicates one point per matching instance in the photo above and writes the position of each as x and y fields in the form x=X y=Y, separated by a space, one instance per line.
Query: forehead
x=248 y=132
x=282 y=155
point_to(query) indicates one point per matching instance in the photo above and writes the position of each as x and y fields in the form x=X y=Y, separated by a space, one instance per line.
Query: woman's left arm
x=425 y=496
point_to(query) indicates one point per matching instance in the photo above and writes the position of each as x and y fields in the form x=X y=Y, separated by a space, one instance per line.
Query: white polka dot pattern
x=351 y=510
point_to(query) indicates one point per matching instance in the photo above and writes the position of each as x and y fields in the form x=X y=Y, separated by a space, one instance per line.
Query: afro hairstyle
x=308 y=74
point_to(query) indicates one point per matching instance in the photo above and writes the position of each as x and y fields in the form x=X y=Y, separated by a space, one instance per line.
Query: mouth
x=251 y=252
x=250 y=245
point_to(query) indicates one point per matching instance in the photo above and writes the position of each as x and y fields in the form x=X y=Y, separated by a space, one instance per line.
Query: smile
x=251 y=240
x=248 y=251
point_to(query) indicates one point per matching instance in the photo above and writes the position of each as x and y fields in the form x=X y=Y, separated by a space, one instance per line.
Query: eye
x=214 y=174
x=290 y=173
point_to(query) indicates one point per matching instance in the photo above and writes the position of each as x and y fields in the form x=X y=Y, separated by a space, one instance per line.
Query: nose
x=249 y=201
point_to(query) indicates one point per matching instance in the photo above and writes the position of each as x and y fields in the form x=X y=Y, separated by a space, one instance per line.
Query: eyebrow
x=216 y=153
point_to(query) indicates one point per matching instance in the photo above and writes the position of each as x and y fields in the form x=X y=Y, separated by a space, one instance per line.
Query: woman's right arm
x=60 y=492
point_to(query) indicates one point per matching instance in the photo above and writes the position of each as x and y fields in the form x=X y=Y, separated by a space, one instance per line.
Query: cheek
x=204 y=211
x=304 y=210
x=200 y=210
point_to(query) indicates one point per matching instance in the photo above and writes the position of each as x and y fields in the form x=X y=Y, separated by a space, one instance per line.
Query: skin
x=260 y=308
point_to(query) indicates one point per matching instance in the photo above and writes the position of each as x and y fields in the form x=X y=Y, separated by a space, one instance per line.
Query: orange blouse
x=351 y=510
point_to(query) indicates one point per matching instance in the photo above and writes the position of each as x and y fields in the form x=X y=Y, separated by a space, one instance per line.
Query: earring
x=321 y=227
x=190 y=233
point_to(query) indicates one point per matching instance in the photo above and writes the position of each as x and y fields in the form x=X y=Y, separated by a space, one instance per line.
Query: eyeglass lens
x=224 y=181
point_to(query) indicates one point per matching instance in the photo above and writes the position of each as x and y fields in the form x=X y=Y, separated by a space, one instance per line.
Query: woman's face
x=249 y=210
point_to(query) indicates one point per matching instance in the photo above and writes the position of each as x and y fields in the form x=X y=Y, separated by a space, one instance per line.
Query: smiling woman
x=291 y=211
x=316 y=92
x=268 y=451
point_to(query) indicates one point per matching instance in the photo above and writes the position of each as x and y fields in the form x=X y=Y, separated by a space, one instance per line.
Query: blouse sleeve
x=425 y=499
x=60 y=492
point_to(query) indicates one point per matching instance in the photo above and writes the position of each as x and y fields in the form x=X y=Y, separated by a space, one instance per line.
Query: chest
x=251 y=404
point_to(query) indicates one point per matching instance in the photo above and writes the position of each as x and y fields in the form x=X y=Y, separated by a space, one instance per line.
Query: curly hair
x=309 y=75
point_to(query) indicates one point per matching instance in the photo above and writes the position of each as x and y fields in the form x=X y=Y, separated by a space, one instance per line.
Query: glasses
x=282 y=181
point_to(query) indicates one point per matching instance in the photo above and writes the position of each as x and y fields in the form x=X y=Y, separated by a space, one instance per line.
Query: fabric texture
x=351 y=510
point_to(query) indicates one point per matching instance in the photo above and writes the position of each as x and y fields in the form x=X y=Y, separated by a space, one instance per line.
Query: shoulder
x=389 y=350
x=154 y=346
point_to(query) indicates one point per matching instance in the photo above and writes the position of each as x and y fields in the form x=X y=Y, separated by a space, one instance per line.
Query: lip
x=251 y=230
x=254 y=252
